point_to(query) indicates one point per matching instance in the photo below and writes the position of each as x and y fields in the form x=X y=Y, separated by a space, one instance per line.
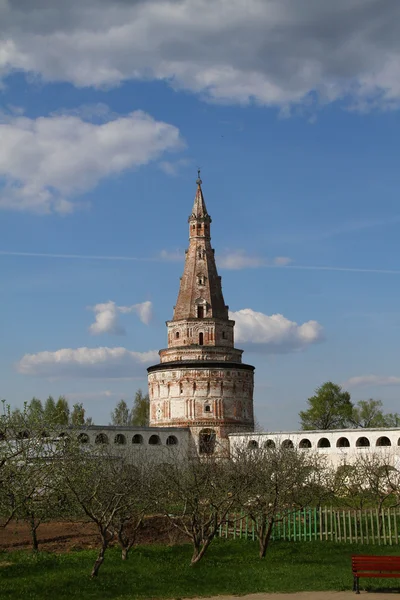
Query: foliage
x=62 y=411
x=369 y=413
x=331 y=408
x=78 y=415
x=121 y=415
x=230 y=568
x=140 y=414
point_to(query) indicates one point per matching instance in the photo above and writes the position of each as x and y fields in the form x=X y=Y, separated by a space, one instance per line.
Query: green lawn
x=230 y=567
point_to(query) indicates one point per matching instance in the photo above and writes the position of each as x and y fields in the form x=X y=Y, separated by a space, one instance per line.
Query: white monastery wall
x=338 y=445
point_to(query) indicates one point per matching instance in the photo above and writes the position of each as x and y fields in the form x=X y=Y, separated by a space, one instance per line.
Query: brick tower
x=201 y=382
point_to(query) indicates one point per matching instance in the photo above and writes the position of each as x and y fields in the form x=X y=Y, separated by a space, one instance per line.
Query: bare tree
x=109 y=489
x=280 y=479
x=200 y=493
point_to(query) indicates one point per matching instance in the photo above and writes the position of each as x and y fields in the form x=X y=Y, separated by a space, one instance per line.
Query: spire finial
x=198 y=180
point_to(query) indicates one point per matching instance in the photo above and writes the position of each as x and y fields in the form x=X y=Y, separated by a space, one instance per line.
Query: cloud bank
x=273 y=334
x=46 y=162
x=239 y=259
x=100 y=362
x=107 y=316
x=272 y=52
x=372 y=380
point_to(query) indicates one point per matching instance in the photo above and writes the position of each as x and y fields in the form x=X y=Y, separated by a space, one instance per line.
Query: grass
x=230 y=567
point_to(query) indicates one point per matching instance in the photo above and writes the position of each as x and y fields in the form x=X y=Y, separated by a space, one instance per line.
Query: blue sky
x=292 y=112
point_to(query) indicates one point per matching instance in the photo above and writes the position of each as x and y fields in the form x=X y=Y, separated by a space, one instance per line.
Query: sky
x=292 y=110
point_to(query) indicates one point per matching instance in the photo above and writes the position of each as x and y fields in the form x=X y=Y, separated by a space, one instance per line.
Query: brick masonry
x=201 y=382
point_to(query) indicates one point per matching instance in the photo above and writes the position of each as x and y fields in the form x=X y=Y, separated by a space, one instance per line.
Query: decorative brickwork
x=201 y=382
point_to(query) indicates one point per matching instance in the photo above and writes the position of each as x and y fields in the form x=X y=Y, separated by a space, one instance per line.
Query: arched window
x=207 y=439
x=172 y=440
x=177 y=335
x=383 y=441
x=252 y=444
x=200 y=312
x=362 y=442
x=207 y=408
x=305 y=443
x=101 y=438
x=343 y=442
x=154 y=440
x=137 y=439
x=83 y=438
x=120 y=439
x=287 y=444
x=324 y=443
x=201 y=338
x=269 y=444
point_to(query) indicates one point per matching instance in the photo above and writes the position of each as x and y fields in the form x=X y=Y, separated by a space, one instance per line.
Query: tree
x=50 y=410
x=329 y=408
x=141 y=410
x=200 y=493
x=78 y=415
x=279 y=479
x=35 y=409
x=111 y=490
x=28 y=456
x=62 y=411
x=121 y=414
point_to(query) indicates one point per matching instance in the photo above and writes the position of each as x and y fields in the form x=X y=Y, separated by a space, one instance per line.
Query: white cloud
x=99 y=362
x=174 y=168
x=372 y=380
x=45 y=162
x=273 y=334
x=174 y=256
x=273 y=52
x=238 y=259
x=106 y=316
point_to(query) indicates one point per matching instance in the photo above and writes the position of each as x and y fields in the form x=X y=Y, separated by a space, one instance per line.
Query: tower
x=201 y=382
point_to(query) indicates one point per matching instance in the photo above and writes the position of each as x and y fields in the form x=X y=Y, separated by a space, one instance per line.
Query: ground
x=66 y=536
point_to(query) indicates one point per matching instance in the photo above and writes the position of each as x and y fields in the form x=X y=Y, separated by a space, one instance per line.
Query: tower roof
x=200 y=290
x=199 y=210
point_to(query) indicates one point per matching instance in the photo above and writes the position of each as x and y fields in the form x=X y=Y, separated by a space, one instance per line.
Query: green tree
x=121 y=415
x=369 y=413
x=329 y=408
x=50 y=410
x=78 y=415
x=35 y=409
x=141 y=410
x=62 y=411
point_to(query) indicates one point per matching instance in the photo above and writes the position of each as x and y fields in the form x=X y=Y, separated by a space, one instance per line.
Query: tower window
x=177 y=335
x=224 y=335
x=200 y=312
x=201 y=338
x=207 y=408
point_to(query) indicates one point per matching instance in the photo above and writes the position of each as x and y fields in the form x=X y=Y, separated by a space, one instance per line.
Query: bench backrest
x=375 y=563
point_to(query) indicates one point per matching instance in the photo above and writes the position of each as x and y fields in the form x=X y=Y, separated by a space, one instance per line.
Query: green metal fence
x=367 y=526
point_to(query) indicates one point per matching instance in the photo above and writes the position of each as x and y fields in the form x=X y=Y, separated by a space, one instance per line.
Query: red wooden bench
x=373 y=566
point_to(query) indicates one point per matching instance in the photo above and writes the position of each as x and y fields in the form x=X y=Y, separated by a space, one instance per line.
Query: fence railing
x=367 y=526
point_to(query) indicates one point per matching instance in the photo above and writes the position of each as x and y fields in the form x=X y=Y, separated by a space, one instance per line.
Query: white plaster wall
x=335 y=454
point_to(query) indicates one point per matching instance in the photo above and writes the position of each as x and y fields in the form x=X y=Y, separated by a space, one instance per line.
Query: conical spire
x=199 y=206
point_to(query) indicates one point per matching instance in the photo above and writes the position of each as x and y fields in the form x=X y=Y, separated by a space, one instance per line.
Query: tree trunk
x=100 y=558
x=35 y=543
x=266 y=539
x=199 y=551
